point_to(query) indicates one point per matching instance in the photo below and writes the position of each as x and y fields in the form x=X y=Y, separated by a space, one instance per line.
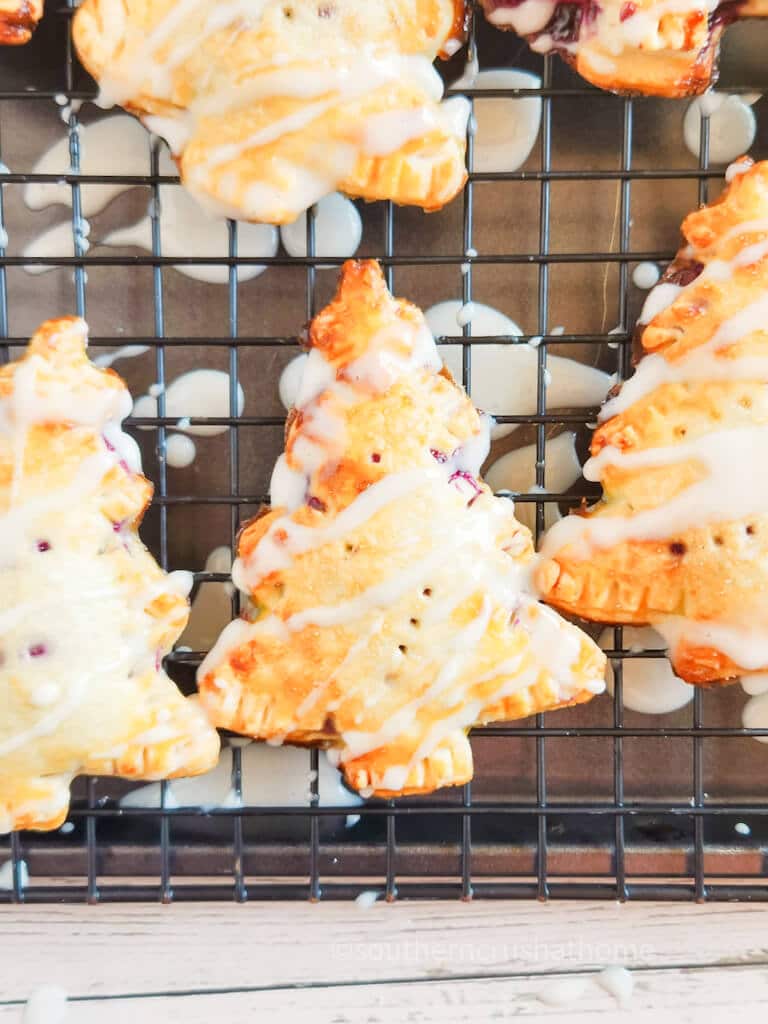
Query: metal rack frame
x=617 y=816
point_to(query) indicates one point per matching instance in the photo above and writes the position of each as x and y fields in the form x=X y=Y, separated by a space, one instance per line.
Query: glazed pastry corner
x=86 y=613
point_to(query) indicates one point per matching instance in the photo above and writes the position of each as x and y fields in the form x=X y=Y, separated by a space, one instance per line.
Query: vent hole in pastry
x=43 y=545
x=751 y=529
x=718 y=540
x=415 y=622
x=37 y=650
x=677 y=547
x=375 y=457
x=427 y=591
x=349 y=547
x=288 y=12
x=681 y=431
x=745 y=402
x=402 y=648
x=316 y=504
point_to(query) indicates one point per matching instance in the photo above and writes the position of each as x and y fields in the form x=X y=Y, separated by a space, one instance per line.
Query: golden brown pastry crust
x=18 y=19
x=698 y=393
x=86 y=614
x=268 y=111
x=387 y=587
x=631 y=46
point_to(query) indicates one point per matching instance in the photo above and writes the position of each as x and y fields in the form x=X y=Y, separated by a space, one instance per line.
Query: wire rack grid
x=456 y=845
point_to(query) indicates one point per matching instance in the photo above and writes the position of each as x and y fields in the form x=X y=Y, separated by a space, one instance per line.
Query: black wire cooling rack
x=602 y=837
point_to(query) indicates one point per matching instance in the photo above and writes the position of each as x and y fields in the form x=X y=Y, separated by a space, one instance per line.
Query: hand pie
x=636 y=46
x=388 y=610
x=680 y=538
x=18 y=19
x=86 y=614
x=269 y=106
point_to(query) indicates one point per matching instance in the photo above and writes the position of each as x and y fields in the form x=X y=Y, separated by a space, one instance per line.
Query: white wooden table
x=410 y=962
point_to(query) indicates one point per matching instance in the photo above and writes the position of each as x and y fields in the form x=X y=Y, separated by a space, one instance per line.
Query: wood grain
x=138 y=950
x=661 y=996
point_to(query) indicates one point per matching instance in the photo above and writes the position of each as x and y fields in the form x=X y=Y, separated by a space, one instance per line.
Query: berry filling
x=111 y=448
x=316 y=504
x=438 y=456
x=37 y=650
x=466 y=484
x=686 y=274
x=43 y=545
x=566 y=24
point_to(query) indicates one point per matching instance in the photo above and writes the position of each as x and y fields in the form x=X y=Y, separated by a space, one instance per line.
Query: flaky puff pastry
x=388 y=610
x=18 y=19
x=269 y=106
x=680 y=539
x=86 y=614
x=632 y=46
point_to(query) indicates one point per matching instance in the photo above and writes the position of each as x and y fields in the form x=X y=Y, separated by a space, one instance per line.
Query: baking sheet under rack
x=593 y=801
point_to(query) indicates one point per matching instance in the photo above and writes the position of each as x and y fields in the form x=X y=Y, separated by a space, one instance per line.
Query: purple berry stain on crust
x=463 y=480
x=37 y=650
x=375 y=457
x=111 y=448
x=566 y=24
x=438 y=456
x=43 y=545
x=726 y=13
x=316 y=504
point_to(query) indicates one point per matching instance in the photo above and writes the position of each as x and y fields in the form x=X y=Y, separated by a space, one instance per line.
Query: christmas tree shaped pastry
x=269 y=106
x=680 y=538
x=388 y=610
x=86 y=614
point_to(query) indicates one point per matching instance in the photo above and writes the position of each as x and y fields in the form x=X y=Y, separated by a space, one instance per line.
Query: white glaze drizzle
x=507 y=128
x=732 y=126
x=199 y=393
x=649 y=685
x=186 y=229
x=504 y=377
x=516 y=471
x=338 y=229
x=113 y=146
